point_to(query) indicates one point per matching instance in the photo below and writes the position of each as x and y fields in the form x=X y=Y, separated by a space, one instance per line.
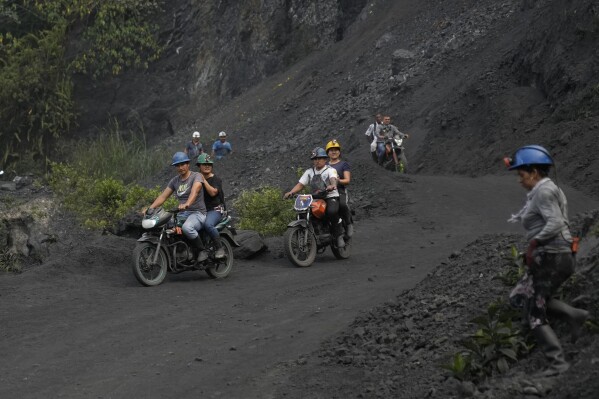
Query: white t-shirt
x=325 y=173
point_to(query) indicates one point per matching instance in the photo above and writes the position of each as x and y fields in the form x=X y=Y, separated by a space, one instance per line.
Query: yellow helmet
x=333 y=144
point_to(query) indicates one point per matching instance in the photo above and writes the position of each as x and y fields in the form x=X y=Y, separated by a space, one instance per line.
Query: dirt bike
x=394 y=157
x=309 y=234
x=164 y=248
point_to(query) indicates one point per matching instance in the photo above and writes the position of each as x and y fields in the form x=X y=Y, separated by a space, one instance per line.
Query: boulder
x=250 y=244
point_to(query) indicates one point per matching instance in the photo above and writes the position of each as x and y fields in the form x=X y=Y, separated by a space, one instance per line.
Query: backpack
x=318 y=186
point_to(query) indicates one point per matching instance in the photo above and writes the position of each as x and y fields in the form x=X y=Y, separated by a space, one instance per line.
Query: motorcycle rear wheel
x=145 y=272
x=301 y=255
x=222 y=267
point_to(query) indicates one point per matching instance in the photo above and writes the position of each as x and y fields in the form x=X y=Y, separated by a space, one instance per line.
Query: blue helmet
x=318 y=152
x=179 y=157
x=529 y=155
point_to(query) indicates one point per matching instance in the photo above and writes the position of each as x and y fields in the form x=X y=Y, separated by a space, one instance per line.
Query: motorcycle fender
x=300 y=222
x=229 y=236
x=148 y=238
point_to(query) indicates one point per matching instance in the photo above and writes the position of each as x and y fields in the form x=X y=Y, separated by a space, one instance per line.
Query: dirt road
x=83 y=327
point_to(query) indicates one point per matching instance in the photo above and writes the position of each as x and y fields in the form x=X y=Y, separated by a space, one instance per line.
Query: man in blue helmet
x=322 y=180
x=550 y=257
x=187 y=187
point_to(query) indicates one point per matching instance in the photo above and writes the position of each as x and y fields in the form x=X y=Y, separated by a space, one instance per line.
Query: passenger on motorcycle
x=322 y=180
x=214 y=198
x=333 y=149
x=187 y=187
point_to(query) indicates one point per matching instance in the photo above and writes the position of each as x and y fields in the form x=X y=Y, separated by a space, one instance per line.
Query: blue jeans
x=380 y=150
x=212 y=219
x=193 y=224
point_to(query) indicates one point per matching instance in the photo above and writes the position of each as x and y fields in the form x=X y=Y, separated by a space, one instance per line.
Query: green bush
x=9 y=262
x=496 y=343
x=100 y=202
x=264 y=211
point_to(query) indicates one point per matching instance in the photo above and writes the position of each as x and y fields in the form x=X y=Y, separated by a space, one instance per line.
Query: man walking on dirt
x=372 y=132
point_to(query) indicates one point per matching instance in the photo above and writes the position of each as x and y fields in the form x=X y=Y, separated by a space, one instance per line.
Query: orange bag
x=319 y=208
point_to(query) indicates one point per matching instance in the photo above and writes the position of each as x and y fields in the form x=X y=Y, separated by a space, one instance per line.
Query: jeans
x=212 y=219
x=380 y=151
x=193 y=224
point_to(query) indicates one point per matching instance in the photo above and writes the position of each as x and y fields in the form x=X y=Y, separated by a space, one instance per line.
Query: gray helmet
x=318 y=152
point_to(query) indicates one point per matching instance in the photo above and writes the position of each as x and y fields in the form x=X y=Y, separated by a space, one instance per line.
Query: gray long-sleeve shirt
x=546 y=217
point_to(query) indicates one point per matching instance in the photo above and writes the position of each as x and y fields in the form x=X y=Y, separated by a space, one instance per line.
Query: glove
x=149 y=211
x=532 y=246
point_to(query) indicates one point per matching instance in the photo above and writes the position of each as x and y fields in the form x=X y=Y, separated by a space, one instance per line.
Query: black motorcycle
x=164 y=248
x=309 y=234
x=394 y=159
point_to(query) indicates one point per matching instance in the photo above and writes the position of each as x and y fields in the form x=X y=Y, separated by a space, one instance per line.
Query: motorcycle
x=164 y=249
x=309 y=234
x=395 y=159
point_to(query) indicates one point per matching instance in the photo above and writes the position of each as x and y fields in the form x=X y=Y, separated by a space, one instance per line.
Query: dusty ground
x=79 y=325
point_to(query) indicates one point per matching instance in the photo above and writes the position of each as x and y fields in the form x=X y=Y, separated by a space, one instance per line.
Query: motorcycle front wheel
x=222 y=267
x=342 y=253
x=144 y=270
x=300 y=246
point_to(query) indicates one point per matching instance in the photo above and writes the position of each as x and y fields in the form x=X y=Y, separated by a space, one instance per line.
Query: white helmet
x=196 y=135
x=222 y=134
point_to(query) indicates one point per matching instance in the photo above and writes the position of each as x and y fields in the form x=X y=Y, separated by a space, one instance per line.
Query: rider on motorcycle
x=322 y=180
x=187 y=186
x=214 y=199
x=386 y=133
x=333 y=149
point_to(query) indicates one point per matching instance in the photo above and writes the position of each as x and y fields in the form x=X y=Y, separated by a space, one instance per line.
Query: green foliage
x=36 y=104
x=264 y=211
x=514 y=269
x=121 y=155
x=495 y=344
x=100 y=202
x=9 y=262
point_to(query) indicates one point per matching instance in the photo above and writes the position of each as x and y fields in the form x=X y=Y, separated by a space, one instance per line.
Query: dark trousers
x=344 y=211
x=332 y=214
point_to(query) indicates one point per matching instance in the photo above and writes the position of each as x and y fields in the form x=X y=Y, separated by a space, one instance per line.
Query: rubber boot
x=220 y=251
x=339 y=234
x=553 y=351
x=349 y=230
x=199 y=245
x=574 y=316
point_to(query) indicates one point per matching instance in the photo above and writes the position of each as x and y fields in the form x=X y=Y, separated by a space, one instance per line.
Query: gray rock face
x=214 y=51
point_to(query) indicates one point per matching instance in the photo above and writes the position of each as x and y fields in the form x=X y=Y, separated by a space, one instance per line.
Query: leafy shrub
x=515 y=268
x=495 y=344
x=264 y=211
x=100 y=202
x=9 y=262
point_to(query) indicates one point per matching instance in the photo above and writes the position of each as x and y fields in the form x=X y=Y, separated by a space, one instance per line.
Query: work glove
x=532 y=247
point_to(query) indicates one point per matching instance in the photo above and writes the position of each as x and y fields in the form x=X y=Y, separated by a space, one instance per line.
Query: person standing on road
x=333 y=149
x=221 y=147
x=322 y=180
x=194 y=147
x=372 y=133
x=187 y=187
x=214 y=198
x=550 y=256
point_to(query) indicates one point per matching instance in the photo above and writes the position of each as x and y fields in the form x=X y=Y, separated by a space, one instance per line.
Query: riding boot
x=574 y=316
x=553 y=351
x=338 y=232
x=199 y=245
x=220 y=250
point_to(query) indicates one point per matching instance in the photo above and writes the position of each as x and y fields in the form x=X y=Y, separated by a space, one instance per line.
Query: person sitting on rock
x=221 y=147
x=214 y=198
x=322 y=180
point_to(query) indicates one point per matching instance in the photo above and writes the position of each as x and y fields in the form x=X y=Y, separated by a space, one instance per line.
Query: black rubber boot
x=220 y=251
x=199 y=245
x=574 y=316
x=553 y=351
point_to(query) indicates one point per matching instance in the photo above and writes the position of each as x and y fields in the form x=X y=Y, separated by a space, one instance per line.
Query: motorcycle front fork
x=155 y=260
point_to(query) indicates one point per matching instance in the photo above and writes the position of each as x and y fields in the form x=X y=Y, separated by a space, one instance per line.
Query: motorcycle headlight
x=148 y=223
